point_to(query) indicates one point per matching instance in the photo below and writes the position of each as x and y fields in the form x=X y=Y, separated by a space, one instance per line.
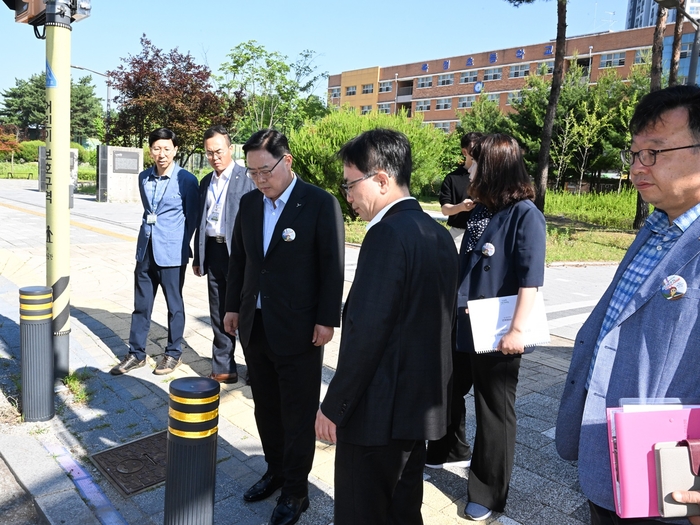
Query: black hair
x=654 y=105
x=217 y=130
x=380 y=149
x=271 y=140
x=163 y=134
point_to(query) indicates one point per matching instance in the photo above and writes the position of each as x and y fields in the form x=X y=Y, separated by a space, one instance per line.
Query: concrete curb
x=55 y=496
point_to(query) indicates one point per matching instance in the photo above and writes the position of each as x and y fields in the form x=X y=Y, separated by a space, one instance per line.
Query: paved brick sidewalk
x=544 y=489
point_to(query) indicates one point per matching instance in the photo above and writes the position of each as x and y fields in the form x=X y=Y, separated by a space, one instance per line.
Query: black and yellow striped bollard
x=36 y=350
x=190 y=472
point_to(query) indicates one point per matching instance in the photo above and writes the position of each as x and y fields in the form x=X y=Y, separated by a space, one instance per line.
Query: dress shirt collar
x=166 y=175
x=379 y=216
x=285 y=194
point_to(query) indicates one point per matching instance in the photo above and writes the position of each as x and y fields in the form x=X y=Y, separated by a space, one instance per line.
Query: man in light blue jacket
x=170 y=200
x=642 y=340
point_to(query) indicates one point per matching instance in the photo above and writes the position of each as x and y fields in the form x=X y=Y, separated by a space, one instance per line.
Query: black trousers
x=147 y=277
x=454 y=445
x=495 y=378
x=286 y=392
x=379 y=485
x=601 y=516
x=216 y=258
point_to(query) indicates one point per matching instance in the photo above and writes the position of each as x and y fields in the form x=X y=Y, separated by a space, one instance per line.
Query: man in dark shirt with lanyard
x=454 y=193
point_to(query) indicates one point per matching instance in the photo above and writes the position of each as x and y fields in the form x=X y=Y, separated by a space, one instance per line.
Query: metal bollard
x=190 y=471
x=36 y=346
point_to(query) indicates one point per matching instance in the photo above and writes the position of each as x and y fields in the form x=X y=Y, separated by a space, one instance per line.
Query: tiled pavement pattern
x=544 y=489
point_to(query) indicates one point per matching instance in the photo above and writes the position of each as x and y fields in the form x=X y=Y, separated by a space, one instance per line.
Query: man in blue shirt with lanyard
x=171 y=206
x=643 y=337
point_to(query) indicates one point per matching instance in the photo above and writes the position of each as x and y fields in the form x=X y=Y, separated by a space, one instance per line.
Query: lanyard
x=217 y=199
x=155 y=206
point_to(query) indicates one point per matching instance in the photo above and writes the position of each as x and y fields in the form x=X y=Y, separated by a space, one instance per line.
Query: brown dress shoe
x=225 y=378
x=126 y=365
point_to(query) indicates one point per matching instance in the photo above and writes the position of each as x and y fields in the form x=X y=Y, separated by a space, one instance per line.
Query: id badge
x=151 y=218
x=214 y=217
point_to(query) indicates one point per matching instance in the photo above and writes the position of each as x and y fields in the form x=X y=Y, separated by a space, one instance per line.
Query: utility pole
x=56 y=16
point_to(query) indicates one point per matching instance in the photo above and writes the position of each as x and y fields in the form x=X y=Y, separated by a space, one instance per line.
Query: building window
x=335 y=92
x=365 y=109
x=494 y=97
x=367 y=89
x=385 y=87
x=642 y=56
x=467 y=76
x=384 y=108
x=686 y=49
x=493 y=73
x=694 y=10
x=443 y=103
x=445 y=80
x=518 y=71
x=547 y=67
x=466 y=102
x=425 y=82
x=423 y=105
x=612 y=60
x=350 y=91
x=514 y=96
x=444 y=126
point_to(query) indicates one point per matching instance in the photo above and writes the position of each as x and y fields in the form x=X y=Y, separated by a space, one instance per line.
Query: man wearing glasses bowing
x=285 y=285
x=219 y=195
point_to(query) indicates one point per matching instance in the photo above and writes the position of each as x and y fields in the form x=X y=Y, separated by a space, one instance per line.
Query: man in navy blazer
x=285 y=285
x=220 y=193
x=642 y=340
x=170 y=208
x=390 y=391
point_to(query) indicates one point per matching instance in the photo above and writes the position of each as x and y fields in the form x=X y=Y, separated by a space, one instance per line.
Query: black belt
x=219 y=239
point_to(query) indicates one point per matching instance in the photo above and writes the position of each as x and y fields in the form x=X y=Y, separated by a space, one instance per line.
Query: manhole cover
x=136 y=466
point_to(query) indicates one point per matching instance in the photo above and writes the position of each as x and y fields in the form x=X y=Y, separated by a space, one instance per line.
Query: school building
x=442 y=88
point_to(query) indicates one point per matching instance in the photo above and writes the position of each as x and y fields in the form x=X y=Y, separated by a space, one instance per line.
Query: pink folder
x=632 y=436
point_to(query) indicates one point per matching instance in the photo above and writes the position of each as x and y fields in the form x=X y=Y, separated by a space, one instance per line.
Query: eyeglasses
x=254 y=174
x=647 y=156
x=349 y=185
x=158 y=151
x=215 y=154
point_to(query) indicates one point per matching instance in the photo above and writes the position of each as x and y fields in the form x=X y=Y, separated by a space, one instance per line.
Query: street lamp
x=675 y=4
x=109 y=112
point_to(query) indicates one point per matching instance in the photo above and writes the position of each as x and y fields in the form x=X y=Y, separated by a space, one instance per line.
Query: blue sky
x=346 y=35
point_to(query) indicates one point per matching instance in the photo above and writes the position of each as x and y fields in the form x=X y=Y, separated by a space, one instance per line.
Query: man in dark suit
x=170 y=211
x=285 y=286
x=220 y=193
x=391 y=388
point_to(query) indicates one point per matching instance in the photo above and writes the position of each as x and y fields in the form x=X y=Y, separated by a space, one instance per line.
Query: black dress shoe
x=288 y=510
x=264 y=488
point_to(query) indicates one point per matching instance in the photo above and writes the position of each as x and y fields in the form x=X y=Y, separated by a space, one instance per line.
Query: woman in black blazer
x=502 y=254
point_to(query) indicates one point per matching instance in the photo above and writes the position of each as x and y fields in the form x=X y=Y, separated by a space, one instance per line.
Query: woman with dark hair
x=502 y=254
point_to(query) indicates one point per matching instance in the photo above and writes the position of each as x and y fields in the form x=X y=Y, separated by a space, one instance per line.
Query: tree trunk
x=657 y=49
x=557 y=80
x=676 y=49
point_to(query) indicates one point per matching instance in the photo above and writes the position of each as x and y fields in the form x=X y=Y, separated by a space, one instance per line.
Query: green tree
x=25 y=105
x=85 y=109
x=316 y=144
x=277 y=94
x=484 y=117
